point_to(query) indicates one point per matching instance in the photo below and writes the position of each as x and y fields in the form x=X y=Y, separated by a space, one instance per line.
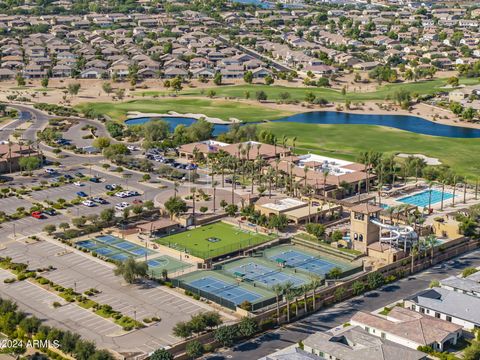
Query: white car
x=88 y=203
x=121 y=206
x=121 y=194
x=78 y=183
x=50 y=171
x=131 y=147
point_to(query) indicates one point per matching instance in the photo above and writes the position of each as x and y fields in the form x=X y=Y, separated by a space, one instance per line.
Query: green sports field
x=213 y=240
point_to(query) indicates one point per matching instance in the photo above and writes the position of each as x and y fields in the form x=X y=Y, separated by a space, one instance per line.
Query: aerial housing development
x=240 y=180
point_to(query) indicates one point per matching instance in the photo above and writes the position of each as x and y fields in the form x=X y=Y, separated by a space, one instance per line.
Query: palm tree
x=277 y=161
x=305 y=289
x=284 y=143
x=431 y=240
x=443 y=194
x=193 y=192
x=314 y=285
x=278 y=291
x=175 y=189
x=214 y=187
x=325 y=174
x=288 y=291
x=454 y=189
x=430 y=184
x=294 y=140
x=305 y=171
x=413 y=253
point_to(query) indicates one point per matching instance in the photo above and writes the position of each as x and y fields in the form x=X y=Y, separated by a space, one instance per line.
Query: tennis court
x=297 y=259
x=308 y=260
x=114 y=248
x=158 y=264
x=231 y=292
x=267 y=276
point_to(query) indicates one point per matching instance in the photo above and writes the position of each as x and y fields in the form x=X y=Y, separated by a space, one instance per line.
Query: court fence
x=218 y=299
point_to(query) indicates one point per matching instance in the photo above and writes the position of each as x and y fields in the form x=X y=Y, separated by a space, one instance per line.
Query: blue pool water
x=402 y=122
x=422 y=199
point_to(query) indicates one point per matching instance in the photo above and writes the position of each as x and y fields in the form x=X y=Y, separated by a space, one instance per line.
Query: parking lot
x=81 y=272
x=39 y=302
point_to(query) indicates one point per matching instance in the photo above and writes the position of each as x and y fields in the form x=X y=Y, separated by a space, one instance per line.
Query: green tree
x=175 y=206
x=182 y=330
x=248 y=77
x=225 y=335
x=317 y=230
x=231 y=209
x=194 y=349
x=64 y=226
x=49 y=229
x=217 y=80
x=101 y=142
x=334 y=273
x=20 y=80
x=29 y=163
x=269 y=80
x=310 y=97
x=261 y=95
x=247 y=326
x=107 y=215
x=161 y=354
x=176 y=84
x=375 y=280
x=131 y=270
x=472 y=352
x=107 y=88
x=358 y=288
x=73 y=88
x=44 y=82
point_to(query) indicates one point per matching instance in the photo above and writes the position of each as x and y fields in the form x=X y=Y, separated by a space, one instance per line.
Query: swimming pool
x=423 y=198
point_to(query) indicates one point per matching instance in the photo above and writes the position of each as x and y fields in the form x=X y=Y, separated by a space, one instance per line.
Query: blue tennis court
x=104 y=251
x=87 y=244
x=230 y=292
x=119 y=257
x=125 y=245
x=303 y=261
x=265 y=275
x=107 y=239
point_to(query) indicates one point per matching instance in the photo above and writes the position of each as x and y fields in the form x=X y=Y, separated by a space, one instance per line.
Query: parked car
x=38 y=215
x=100 y=200
x=78 y=183
x=81 y=194
x=137 y=201
x=68 y=177
x=132 y=193
x=88 y=203
x=50 y=212
x=121 y=206
x=79 y=174
x=50 y=171
x=121 y=194
x=95 y=179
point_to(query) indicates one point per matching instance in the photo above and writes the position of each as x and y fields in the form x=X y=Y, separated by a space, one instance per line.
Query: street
x=342 y=312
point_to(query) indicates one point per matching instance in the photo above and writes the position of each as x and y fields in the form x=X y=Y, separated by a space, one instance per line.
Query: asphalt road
x=341 y=313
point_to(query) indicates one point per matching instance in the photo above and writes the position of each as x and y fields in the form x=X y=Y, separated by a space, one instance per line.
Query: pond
x=403 y=122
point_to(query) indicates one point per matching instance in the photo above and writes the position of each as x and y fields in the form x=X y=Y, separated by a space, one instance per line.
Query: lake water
x=402 y=122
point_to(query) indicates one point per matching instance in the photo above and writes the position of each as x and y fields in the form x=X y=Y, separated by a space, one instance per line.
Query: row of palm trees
x=291 y=293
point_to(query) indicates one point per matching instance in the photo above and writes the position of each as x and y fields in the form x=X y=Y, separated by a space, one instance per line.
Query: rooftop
x=354 y=343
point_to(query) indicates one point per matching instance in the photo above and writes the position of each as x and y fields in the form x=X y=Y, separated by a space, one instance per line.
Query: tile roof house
x=452 y=306
x=409 y=328
x=354 y=343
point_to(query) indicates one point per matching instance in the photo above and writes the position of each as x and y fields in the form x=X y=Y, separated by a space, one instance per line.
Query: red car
x=137 y=201
x=38 y=215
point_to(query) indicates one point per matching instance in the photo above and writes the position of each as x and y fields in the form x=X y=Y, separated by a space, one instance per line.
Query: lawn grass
x=196 y=243
x=347 y=141
x=222 y=109
x=298 y=93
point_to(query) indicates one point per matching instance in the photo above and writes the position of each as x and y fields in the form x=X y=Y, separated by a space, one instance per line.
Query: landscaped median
x=22 y=273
